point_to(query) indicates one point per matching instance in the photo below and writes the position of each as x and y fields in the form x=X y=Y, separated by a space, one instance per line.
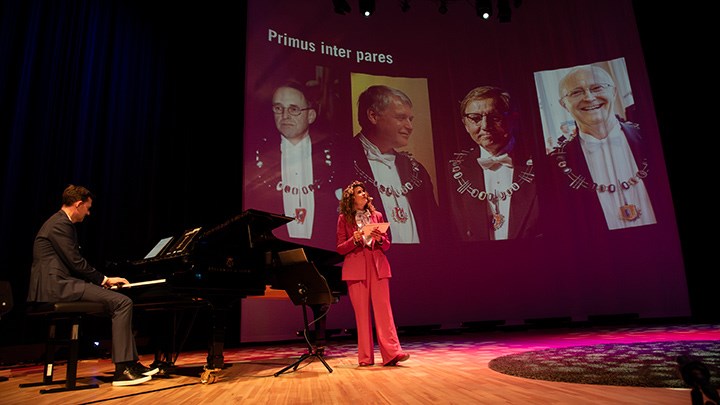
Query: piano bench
x=57 y=314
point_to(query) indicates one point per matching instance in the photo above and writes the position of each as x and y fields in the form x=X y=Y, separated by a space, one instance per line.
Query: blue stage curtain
x=82 y=101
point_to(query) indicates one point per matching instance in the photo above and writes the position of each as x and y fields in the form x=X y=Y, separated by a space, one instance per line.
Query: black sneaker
x=146 y=371
x=129 y=376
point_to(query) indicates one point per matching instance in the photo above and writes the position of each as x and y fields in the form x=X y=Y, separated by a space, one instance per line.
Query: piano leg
x=215 y=358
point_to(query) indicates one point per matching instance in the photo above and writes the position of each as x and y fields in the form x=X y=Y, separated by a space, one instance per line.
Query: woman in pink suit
x=366 y=271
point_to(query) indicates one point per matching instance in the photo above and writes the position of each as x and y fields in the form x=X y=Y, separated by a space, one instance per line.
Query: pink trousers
x=368 y=297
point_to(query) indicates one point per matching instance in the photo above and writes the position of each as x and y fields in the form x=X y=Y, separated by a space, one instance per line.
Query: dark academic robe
x=577 y=201
x=421 y=197
x=472 y=212
x=263 y=175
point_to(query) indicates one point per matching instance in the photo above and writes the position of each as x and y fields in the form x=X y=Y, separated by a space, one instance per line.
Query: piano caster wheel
x=209 y=376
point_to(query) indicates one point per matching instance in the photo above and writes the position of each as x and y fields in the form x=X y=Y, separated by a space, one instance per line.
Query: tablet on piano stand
x=159 y=247
x=156 y=251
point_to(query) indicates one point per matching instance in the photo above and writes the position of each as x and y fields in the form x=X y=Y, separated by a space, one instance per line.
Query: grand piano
x=215 y=268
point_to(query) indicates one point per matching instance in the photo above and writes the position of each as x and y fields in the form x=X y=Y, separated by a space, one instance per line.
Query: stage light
x=404 y=5
x=504 y=12
x=367 y=7
x=341 y=6
x=483 y=8
x=443 y=7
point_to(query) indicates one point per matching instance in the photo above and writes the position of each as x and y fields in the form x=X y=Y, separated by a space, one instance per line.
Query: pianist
x=61 y=274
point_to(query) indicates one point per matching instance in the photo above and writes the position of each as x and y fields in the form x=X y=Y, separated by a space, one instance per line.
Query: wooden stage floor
x=443 y=369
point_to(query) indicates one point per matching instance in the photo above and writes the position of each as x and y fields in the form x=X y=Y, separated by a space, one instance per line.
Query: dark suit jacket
x=472 y=215
x=263 y=174
x=59 y=272
x=579 y=204
x=421 y=197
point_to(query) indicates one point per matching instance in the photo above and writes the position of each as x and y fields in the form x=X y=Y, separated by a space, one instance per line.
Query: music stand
x=305 y=286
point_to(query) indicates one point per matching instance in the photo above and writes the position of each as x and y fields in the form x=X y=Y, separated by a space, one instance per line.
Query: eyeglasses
x=492 y=117
x=292 y=110
x=580 y=92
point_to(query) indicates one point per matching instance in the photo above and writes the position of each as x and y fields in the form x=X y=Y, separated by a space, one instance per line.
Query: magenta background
x=564 y=273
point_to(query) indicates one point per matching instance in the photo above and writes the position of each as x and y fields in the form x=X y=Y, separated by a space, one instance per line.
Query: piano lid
x=251 y=223
x=253 y=229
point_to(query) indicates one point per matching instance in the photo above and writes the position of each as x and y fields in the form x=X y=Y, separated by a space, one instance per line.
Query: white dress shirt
x=385 y=173
x=297 y=179
x=611 y=161
x=497 y=180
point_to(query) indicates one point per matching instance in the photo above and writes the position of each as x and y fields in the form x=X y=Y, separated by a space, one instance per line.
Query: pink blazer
x=360 y=260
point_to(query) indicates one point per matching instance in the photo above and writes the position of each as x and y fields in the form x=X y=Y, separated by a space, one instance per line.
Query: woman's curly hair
x=347 y=202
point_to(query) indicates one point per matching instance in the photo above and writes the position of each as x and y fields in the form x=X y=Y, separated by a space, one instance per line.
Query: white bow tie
x=494 y=162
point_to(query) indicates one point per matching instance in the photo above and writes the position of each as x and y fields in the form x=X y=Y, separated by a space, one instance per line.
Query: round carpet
x=648 y=364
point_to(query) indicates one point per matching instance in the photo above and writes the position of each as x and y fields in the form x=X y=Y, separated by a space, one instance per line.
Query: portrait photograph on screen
x=493 y=187
x=603 y=152
x=392 y=152
x=291 y=166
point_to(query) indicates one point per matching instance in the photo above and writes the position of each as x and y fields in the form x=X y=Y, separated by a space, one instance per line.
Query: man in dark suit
x=61 y=274
x=402 y=183
x=494 y=194
x=293 y=171
x=605 y=163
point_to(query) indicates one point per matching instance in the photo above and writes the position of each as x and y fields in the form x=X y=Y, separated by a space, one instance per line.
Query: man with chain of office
x=607 y=156
x=494 y=190
x=293 y=172
x=403 y=184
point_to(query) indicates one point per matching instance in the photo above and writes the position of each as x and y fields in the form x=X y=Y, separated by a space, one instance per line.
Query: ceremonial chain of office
x=578 y=181
x=467 y=188
x=406 y=188
x=293 y=189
